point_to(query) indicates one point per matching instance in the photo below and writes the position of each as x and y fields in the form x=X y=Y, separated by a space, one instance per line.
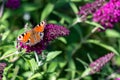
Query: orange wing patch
x=40 y=27
x=26 y=37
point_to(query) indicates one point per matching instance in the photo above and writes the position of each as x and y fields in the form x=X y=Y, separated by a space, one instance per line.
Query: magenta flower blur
x=117 y=78
x=99 y=63
x=13 y=4
x=51 y=32
x=2 y=66
x=90 y=8
x=108 y=15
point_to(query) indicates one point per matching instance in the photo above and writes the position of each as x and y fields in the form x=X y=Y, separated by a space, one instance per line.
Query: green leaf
x=9 y=51
x=74 y=7
x=72 y=67
x=97 y=42
x=64 y=16
x=62 y=39
x=25 y=7
x=4 y=36
x=5 y=15
x=33 y=64
x=76 y=0
x=3 y=25
x=52 y=67
x=63 y=63
x=35 y=76
x=52 y=55
x=28 y=73
x=89 y=57
x=81 y=61
x=47 y=10
x=112 y=33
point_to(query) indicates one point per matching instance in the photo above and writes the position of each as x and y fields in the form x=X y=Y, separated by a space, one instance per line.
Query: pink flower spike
x=99 y=63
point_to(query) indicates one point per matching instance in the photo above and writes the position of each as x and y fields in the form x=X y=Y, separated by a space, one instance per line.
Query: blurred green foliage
x=68 y=57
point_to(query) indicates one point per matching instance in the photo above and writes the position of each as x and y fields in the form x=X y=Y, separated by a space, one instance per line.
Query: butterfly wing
x=40 y=27
x=24 y=38
x=33 y=36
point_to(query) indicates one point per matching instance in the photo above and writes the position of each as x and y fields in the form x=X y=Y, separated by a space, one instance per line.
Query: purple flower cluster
x=90 y=8
x=51 y=32
x=105 y=13
x=13 y=4
x=109 y=14
x=99 y=63
x=2 y=66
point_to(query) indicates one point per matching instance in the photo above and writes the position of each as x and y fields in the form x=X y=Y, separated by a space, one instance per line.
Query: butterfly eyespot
x=42 y=22
x=41 y=35
x=28 y=41
x=20 y=37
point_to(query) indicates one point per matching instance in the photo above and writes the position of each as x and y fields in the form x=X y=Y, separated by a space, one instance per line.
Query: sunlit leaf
x=52 y=67
x=35 y=76
x=62 y=39
x=74 y=8
x=52 y=55
x=112 y=33
x=33 y=64
x=28 y=7
x=72 y=67
x=4 y=35
x=48 y=9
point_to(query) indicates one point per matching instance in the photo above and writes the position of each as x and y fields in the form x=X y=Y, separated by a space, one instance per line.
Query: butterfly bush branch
x=77 y=20
x=82 y=14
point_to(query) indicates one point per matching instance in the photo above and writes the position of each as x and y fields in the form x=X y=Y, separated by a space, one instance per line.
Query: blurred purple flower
x=2 y=66
x=51 y=32
x=109 y=14
x=90 y=8
x=117 y=78
x=13 y=4
x=99 y=63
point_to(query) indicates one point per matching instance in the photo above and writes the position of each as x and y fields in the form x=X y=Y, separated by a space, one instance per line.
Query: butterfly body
x=33 y=36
